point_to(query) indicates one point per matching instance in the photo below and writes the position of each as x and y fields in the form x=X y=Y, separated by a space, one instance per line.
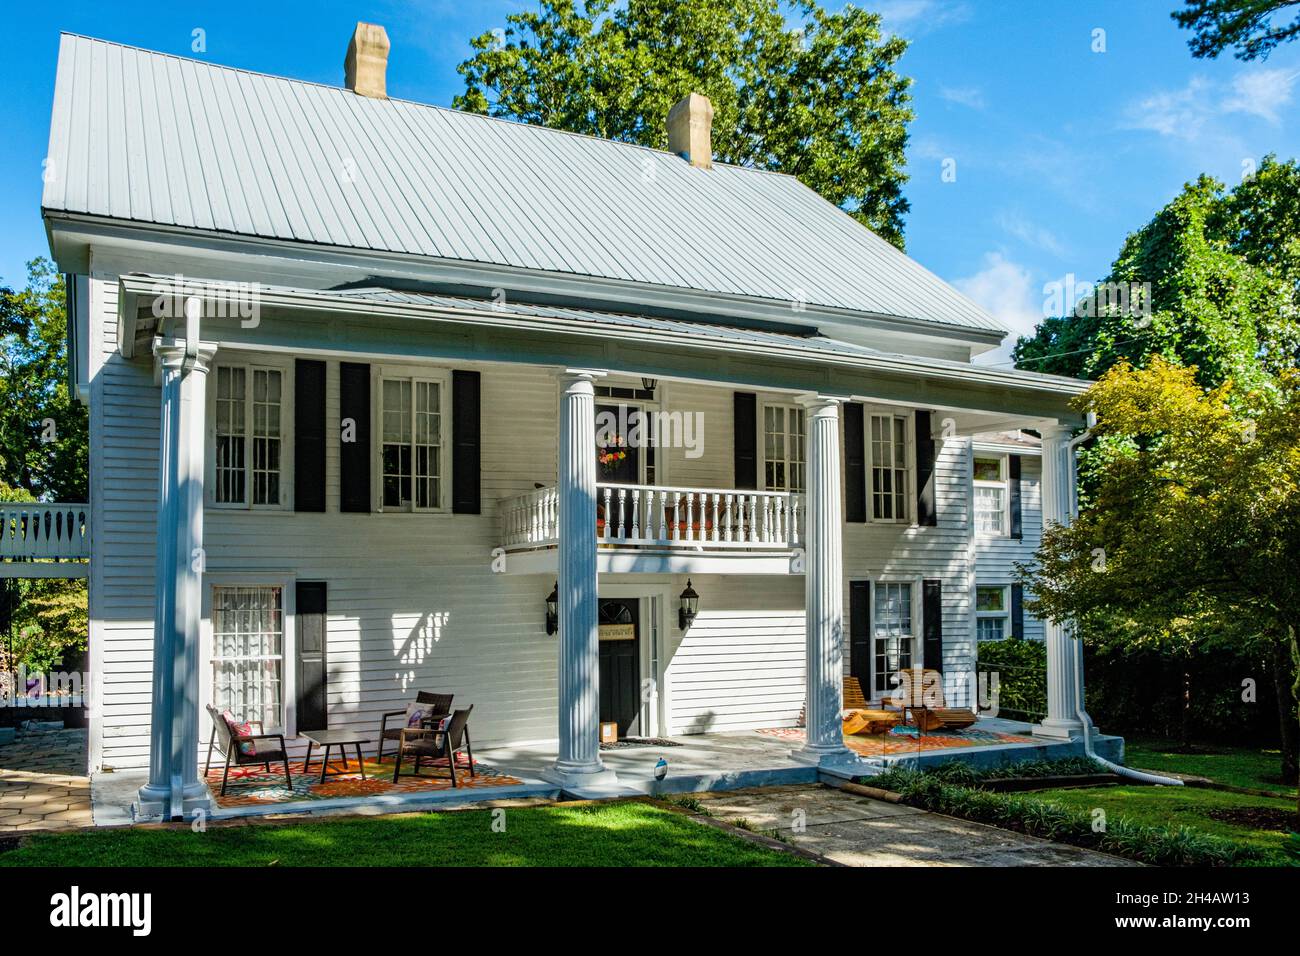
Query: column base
x=581 y=777
x=841 y=757
x=1058 y=728
x=156 y=802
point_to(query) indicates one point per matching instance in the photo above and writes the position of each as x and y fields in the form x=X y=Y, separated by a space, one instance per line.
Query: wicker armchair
x=426 y=742
x=227 y=743
x=439 y=706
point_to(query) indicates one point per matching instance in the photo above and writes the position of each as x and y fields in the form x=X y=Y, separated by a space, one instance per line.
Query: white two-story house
x=363 y=377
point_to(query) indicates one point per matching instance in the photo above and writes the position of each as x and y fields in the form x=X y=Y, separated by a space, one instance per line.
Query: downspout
x=1077 y=651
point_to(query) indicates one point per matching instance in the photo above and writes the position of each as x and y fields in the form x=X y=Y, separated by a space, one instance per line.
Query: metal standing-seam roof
x=155 y=138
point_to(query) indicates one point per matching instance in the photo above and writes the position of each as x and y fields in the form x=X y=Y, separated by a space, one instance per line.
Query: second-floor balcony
x=660 y=528
x=44 y=540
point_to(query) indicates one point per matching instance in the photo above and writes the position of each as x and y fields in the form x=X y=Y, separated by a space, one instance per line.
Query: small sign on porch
x=618 y=632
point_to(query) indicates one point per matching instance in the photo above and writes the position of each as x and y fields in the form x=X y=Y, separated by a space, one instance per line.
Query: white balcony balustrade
x=32 y=532
x=654 y=516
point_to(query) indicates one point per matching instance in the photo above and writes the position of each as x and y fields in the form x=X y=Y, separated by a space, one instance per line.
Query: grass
x=606 y=834
x=1255 y=768
x=1180 y=807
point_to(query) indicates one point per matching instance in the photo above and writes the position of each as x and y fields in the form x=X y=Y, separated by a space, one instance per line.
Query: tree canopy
x=821 y=100
x=1253 y=28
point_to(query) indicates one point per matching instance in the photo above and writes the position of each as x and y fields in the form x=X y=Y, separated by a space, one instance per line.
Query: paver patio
x=859 y=831
x=43 y=782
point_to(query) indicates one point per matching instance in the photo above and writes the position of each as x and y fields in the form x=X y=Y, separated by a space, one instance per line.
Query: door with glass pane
x=892 y=638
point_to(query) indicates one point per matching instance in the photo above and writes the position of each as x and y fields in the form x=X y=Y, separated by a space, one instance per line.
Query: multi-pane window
x=784 y=463
x=990 y=495
x=889 y=467
x=992 y=613
x=248 y=653
x=249 y=435
x=891 y=624
x=412 y=444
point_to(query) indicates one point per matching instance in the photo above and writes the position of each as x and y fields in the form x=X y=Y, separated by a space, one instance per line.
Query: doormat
x=254 y=786
x=628 y=742
x=903 y=740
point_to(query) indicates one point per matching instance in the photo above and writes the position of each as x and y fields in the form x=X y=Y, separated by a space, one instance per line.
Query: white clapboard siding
x=996 y=558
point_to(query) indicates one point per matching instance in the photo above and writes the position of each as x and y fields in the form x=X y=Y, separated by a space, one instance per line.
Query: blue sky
x=1059 y=151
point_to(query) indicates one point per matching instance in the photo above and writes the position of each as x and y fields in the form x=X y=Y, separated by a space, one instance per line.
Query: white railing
x=33 y=530
x=658 y=516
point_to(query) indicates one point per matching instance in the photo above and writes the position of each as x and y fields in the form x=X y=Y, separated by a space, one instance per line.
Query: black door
x=617 y=461
x=620 y=662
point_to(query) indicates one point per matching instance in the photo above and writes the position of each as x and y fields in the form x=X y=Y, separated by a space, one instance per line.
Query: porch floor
x=695 y=763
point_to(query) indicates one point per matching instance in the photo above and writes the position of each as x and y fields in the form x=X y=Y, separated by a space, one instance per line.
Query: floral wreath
x=611 y=453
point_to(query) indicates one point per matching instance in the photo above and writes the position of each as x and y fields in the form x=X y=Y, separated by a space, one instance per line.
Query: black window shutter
x=860 y=634
x=855 y=464
x=746 y=439
x=354 y=456
x=1013 y=495
x=312 y=703
x=466 y=442
x=1017 y=610
x=932 y=623
x=308 y=435
x=927 y=512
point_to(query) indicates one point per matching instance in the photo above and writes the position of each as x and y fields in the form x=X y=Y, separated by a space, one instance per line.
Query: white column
x=175 y=788
x=1063 y=702
x=823 y=586
x=578 y=762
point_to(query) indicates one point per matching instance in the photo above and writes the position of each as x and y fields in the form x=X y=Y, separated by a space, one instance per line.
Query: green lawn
x=608 y=834
x=1252 y=767
x=1180 y=806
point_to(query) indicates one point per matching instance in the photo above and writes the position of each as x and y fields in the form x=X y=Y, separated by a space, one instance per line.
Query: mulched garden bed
x=627 y=742
x=1257 y=818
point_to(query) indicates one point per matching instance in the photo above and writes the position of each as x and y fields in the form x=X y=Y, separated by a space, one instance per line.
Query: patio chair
x=439 y=707
x=228 y=744
x=923 y=695
x=860 y=717
x=428 y=742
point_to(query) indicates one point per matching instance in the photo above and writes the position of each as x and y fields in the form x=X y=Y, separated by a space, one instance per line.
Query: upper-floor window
x=991 y=494
x=412 y=459
x=992 y=612
x=249 y=448
x=889 y=471
x=784 y=462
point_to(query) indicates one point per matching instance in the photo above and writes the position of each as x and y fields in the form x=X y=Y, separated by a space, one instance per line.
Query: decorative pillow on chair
x=418 y=715
x=444 y=723
x=246 y=747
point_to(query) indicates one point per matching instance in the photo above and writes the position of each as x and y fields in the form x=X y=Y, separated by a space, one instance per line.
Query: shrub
x=1021 y=667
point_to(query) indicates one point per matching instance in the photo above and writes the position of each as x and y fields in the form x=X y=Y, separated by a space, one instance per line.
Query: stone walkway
x=43 y=782
x=859 y=831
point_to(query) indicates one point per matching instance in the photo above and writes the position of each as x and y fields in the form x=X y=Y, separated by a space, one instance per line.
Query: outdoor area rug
x=906 y=739
x=253 y=786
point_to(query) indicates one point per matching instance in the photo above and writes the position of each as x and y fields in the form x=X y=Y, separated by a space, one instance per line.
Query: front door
x=620 y=662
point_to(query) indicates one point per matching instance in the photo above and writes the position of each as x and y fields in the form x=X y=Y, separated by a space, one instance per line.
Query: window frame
x=285 y=581
x=761 y=425
x=1004 y=614
x=1003 y=484
x=412 y=374
x=914 y=619
x=909 y=463
x=250 y=365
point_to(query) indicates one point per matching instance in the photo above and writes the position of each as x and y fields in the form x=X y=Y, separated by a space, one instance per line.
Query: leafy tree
x=822 y=102
x=43 y=428
x=1195 y=524
x=1246 y=25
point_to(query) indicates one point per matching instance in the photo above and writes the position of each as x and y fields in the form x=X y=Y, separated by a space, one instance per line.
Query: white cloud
x=1187 y=113
x=915 y=17
x=970 y=96
x=1030 y=233
x=1007 y=291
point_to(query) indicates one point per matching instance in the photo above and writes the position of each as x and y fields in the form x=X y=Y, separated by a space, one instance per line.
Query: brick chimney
x=366 y=65
x=690 y=130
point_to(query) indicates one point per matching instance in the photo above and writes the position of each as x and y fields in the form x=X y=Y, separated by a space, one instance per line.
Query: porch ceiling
x=393 y=323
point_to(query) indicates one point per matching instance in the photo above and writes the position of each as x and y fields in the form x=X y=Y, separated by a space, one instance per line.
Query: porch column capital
x=178 y=355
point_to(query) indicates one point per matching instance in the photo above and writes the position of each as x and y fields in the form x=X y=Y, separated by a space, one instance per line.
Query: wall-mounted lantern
x=553 y=609
x=650 y=384
x=689 y=606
